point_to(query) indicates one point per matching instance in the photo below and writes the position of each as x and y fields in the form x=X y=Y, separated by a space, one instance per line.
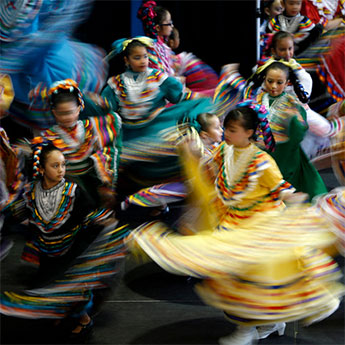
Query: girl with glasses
x=189 y=69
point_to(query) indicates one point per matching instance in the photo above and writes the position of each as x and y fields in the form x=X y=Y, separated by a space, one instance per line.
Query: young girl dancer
x=140 y=96
x=190 y=70
x=74 y=252
x=257 y=259
x=157 y=25
x=232 y=88
x=269 y=9
x=91 y=146
x=304 y=30
x=37 y=49
x=210 y=134
x=288 y=122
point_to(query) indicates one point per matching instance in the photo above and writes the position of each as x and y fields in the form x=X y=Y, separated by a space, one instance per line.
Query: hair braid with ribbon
x=40 y=150
x=37 y=144
x=263 y=128
x=147 y=15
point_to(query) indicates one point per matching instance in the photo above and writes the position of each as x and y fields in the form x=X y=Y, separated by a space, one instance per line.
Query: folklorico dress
x=91 y=149
x=287 y=119
x=304 y=30
x=200 y=77
x=233 y=88
x=73 y=252
x=261 y=262
x=140 y=99
x=171 y=192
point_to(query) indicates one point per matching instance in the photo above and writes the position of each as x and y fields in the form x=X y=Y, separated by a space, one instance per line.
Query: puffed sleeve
x=174 y=92
x=109 y=95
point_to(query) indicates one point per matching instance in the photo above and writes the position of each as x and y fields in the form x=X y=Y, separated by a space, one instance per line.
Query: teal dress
x=288 y=124
x=144 y=102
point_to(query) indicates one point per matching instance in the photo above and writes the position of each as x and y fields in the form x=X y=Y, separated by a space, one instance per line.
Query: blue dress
x=37 y=49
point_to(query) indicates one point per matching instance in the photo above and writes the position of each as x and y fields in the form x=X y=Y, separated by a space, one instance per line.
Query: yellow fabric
x=265 y=268
x=143 y=39
x=268 y=180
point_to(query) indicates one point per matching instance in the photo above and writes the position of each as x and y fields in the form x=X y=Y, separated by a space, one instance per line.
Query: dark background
x=218 y=32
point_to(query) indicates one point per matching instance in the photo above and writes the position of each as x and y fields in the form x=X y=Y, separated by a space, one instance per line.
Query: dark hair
x=150 y=14
x=263 y=5
x=258 y=78
x=161 y=14
x=291 y=76
x=246 y=116
x=280 y=66
x=45 y=151
x=204 y=120
x=63 y=96
x=279 y=36
x=134 y=44
x=40 y=152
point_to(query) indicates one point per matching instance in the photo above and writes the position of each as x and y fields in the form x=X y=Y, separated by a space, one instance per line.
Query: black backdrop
x=218 y=32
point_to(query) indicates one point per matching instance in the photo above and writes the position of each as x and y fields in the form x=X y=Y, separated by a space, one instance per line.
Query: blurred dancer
x=190 y=70
x=91 y=146
x=160 y=196
x=37 y=48
x=140 y=95
x=74 y=252
x=262 y=263
x=12 y=179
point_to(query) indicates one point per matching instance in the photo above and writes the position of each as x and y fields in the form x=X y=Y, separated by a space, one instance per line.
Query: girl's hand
x=295 y=198
x=230 y=68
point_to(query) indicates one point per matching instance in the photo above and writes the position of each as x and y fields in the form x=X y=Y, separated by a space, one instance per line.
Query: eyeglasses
x=168 y=24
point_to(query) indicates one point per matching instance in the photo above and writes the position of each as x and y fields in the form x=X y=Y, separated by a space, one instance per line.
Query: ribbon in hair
x=67 y=84
x=291 y=64
x=37 y=144
x=121 y=44
x=147 y=14
x=264 y=127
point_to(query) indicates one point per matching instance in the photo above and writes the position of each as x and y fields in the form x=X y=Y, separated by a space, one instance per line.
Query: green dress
x=288 y=124
x=142 y=100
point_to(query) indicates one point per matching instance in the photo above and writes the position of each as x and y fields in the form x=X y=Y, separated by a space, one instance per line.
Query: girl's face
x=138 y=59
x=292 y=7
x=165 y=28
x=214 y=131
x=54 y=169
x=66 y=114
x=275 y=82
x=235 y=134
x=284 y=49
x=275 y=9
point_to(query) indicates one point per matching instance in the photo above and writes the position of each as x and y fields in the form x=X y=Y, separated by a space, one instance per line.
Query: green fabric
x=165 y=166
x=140 y=136
x=294 y=164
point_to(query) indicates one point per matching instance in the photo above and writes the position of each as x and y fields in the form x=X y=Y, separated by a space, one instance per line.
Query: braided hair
x=150 y=14
x=258 y=78
x=292 y=77
x=41 y=148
